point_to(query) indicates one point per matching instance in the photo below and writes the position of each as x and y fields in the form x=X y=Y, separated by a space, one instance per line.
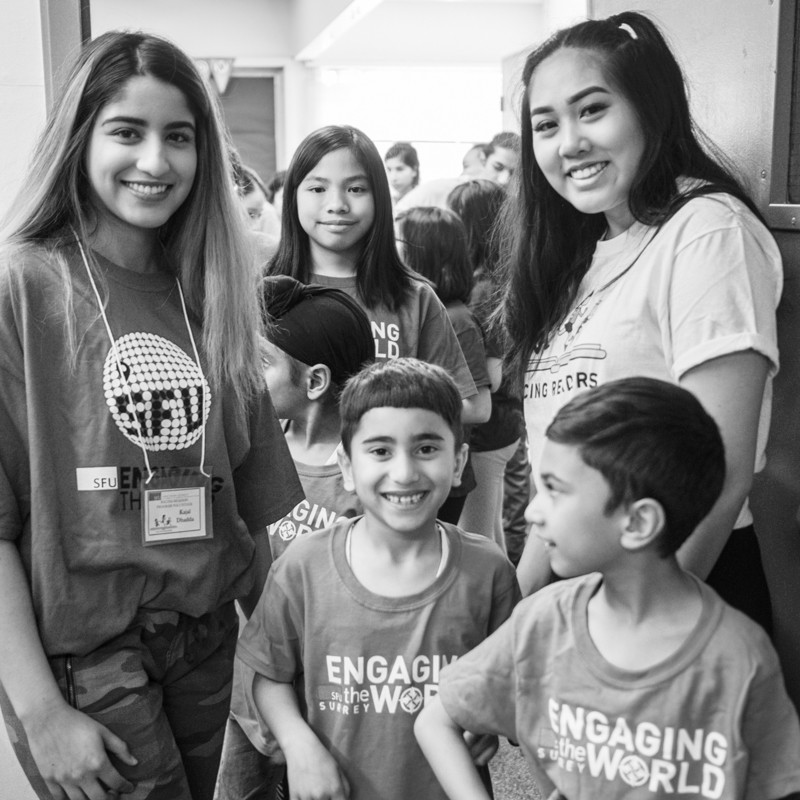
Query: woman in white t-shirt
x=632 y=251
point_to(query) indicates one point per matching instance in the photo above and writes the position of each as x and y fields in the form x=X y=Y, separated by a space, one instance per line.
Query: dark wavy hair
x=648 y=438
x=548 y=244
x=381 y=276
x=478 y=203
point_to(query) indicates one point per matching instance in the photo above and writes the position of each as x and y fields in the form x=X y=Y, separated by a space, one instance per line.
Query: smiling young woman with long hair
x=131 y=394
x=632 y=250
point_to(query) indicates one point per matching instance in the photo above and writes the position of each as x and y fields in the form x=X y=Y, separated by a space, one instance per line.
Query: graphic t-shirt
x=72 y=467
x=711 y=721
x=326 y=501
x=364 y=665
x=419 y=329
x=705 y=285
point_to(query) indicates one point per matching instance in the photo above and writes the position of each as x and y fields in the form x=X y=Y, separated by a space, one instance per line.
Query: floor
x=510 y=777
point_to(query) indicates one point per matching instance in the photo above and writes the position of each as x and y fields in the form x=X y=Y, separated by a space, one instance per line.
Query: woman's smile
x=587 y=139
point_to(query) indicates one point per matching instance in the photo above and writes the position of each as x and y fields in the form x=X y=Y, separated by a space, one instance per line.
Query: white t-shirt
x=658 y=304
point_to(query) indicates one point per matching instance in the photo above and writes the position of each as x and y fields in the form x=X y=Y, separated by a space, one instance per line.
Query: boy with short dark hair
x=356 y=621
x=636 y=679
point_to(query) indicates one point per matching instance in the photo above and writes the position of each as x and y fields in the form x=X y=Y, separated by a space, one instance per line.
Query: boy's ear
x=643 y=523
x=318 y=381
x=347 y=469
x=461 y=462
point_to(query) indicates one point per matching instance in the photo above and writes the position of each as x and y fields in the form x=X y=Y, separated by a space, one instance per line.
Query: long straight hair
x=381 y=277
x=205 y=240
x=478 y=202
x=435 y=246
x=548 y=244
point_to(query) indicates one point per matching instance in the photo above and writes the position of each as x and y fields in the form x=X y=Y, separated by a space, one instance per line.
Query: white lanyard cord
x=124 y=380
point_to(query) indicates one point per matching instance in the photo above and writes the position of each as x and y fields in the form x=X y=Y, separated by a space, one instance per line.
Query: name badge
x=177 y=508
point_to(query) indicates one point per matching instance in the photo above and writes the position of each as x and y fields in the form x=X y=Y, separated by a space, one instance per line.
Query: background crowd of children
x=311 y=403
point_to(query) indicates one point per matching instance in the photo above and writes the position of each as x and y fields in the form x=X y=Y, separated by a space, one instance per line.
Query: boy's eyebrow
x=417 y=438
x=571 y=100
x=143 y=122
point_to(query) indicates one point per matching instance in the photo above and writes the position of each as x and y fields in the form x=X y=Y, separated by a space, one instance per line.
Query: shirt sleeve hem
x=276 y=512
x=724 y=346
x=257 y=664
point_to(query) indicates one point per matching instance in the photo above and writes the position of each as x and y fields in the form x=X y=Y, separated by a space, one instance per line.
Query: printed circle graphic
x=287 y=530
x=634 y=771
x=411 y=700
x=156 y=393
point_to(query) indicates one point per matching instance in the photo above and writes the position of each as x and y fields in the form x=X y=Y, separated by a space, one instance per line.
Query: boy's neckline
x=687 y=652
x=443 y=548
x=419 y=594
x=320 y=454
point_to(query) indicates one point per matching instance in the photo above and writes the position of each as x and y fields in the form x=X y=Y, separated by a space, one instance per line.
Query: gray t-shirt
x=363 y=664
x=72 y=470
x=420 y=328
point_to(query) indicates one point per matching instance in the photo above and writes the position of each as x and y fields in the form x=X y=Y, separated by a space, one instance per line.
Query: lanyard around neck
x=121 y=371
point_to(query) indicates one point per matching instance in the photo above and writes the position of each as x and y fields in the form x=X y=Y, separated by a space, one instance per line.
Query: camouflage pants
x=164 y=688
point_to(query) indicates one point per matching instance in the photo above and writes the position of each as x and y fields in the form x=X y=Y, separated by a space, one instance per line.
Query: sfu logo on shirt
x=157 y=395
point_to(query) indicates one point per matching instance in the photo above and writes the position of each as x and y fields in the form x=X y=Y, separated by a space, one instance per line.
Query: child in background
x=474 y=160
x=338 y=232
x=636 y=673
x=501 y=158
x=493 y=444
x=318 y=337
x=356 y=621
x=434 y=244
x=131 y=394
x=402 y=169
x=260 y=211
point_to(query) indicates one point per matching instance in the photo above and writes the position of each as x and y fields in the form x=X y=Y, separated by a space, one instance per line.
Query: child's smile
x=405 y=499
x=402 y=464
